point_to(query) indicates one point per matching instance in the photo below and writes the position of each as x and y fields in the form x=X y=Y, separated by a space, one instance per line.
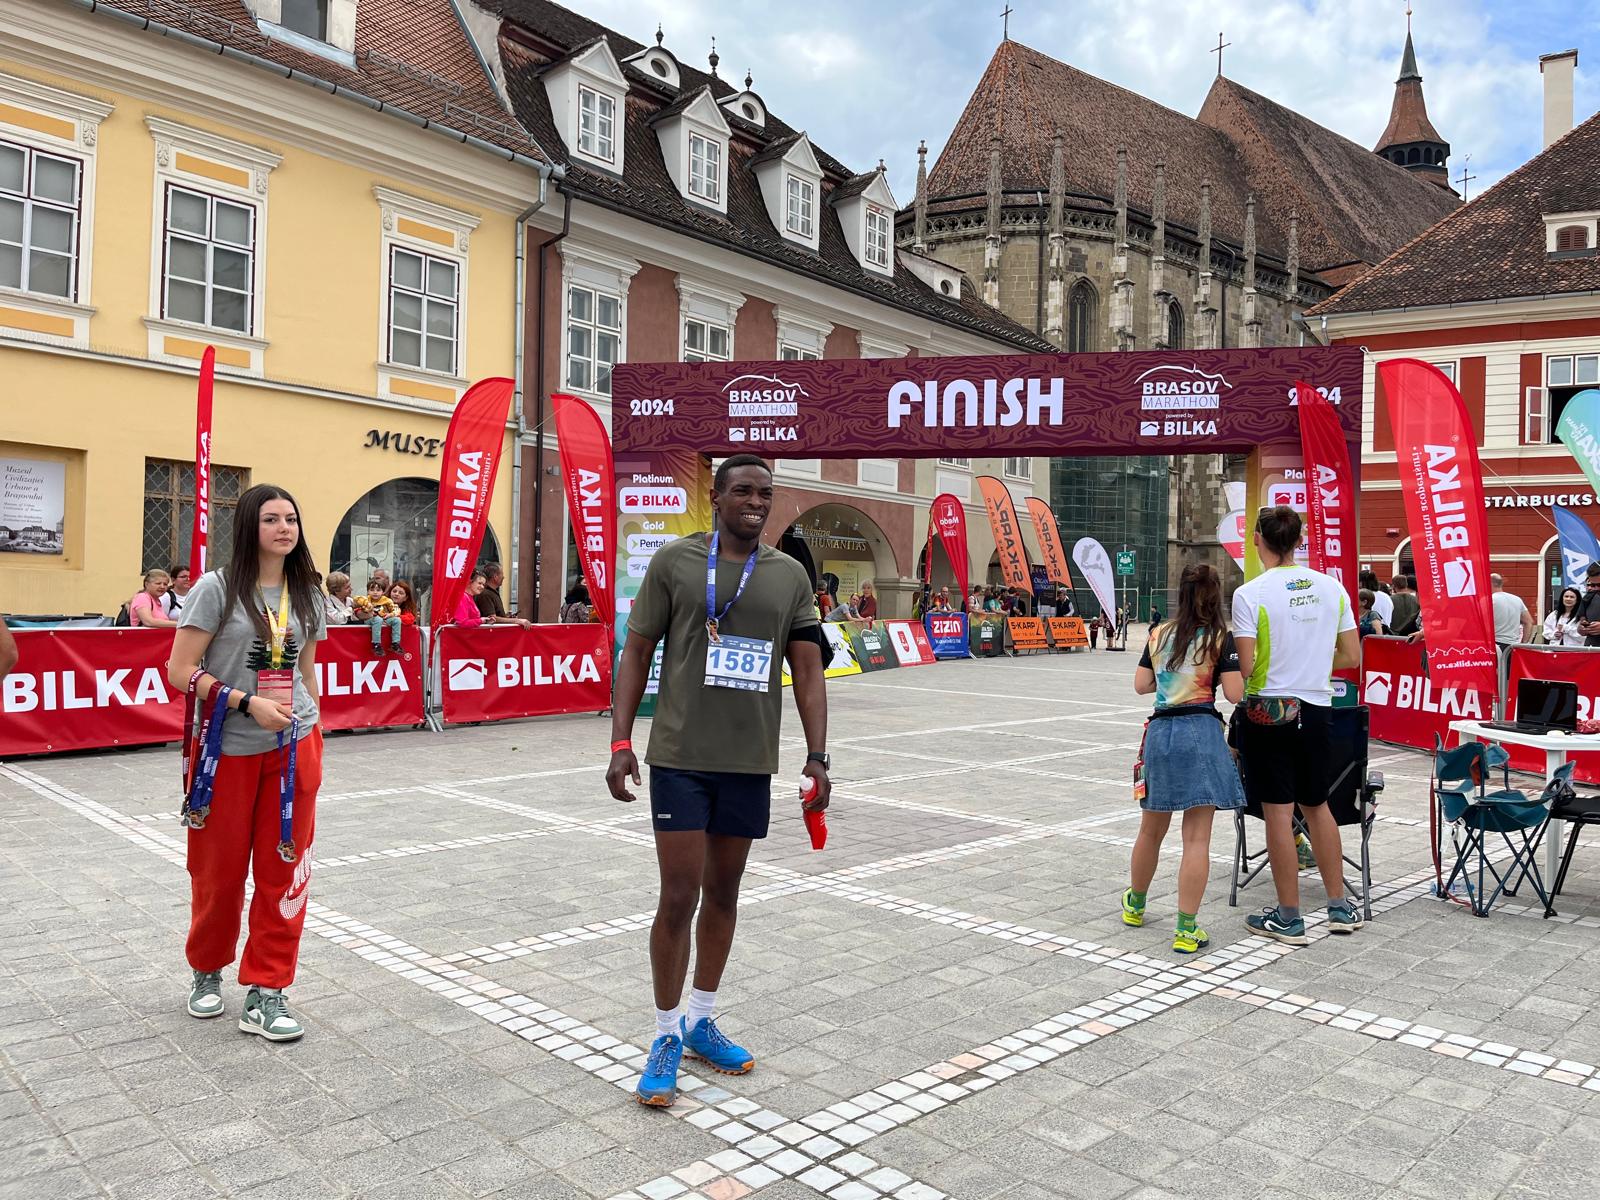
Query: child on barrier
x=1184 y=762
x=378 y=612
x=244 y=653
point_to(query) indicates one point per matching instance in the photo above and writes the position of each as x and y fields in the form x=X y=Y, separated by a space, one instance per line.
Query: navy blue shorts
x=734 y=805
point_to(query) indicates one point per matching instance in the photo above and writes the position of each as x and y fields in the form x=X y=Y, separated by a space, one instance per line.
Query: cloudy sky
x=867 y=80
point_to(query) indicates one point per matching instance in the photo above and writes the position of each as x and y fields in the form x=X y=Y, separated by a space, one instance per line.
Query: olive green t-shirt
x=700 y=728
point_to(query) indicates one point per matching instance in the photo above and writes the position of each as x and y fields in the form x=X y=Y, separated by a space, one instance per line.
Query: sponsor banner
x=79 y=689
x=1579 y=431
x=949 y=517
x=1067 y=632
x=1330 y=491
x=841 y=655
x=590 y=481
x=873 y=652
x=1050 y=548
x=1008 y=545
x=1095 y=564
x=948 y=634
x=910 y=642
x=1579 y=547
x=1408 y=707
x=201 y=527
x=989 y=636
x=466 y=481
x=497 y=672
x=1437 y=457
x=1027 y=633
x=1581 y=667
x=1144 y=402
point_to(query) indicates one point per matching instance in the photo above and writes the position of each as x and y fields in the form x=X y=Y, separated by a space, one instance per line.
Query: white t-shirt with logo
x=1295 y=615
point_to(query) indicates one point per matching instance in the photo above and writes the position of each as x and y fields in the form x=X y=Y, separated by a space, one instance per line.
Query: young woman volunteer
x=1185 y=765
x=245 y=651
x=1561 y=626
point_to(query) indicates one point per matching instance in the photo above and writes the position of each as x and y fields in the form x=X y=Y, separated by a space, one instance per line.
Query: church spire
x=919 y=228
x=1410 y=140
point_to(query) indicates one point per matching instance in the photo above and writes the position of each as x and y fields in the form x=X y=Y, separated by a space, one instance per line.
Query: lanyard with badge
x=275 y=681
x=731 y=661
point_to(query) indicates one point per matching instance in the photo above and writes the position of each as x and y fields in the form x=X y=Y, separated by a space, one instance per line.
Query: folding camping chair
x=1352 y=799
x=1580 y=812
x=1461 y=796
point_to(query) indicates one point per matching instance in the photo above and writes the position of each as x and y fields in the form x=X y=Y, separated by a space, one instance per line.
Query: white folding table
x=1556 y=747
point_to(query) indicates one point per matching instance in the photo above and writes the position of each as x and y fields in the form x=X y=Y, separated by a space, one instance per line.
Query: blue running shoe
x=1343 y=917
x=658 y=1086
x=706 y=1042
x=1269 y=922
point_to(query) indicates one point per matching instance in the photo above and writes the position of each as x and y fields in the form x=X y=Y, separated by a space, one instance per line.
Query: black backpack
x=123 y=619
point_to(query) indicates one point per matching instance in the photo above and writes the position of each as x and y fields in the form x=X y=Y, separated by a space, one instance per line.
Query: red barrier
x=910 y=642
x=80 y=689
x=497 y=672
x=1574 y=664
x=1406 y=708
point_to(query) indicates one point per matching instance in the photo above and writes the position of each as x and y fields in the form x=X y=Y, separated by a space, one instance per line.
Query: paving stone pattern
x=945 y=1002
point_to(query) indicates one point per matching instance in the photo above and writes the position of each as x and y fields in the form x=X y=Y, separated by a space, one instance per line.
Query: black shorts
x=723 y=802
x=1288 y=764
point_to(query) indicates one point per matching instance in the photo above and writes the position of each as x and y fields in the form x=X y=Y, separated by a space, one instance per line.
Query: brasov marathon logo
x=765 y=407
x=1182 y=395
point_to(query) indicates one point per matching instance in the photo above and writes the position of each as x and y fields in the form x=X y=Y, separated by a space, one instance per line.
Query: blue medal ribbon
x=286 y=850
x=713 y=617
x=197 y=804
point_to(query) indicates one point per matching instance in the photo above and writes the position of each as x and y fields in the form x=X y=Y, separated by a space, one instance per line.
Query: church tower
x=1410 y=140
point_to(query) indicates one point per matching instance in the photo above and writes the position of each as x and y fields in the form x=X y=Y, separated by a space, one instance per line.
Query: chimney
x=1557 y=70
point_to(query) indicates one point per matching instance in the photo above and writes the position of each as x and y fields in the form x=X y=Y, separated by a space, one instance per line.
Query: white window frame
x=595 y=329
x=802 y=333
x=61 y=124
x=211 y=243
x=704 y=352
x=800 y=206
x=711 y=306
x=604 y=133
x=604 y=274
x=876 y=213
x=705 y=168
x=1591 y=377
x=409 y=223
x=1448 y=367
x=961 y=464
x=424 y=293
x=199 y=161
x=31 y=204
x=790 y=353
x=1023 y=474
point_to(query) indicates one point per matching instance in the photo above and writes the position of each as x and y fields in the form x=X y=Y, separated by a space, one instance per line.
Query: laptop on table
x=1543 y=706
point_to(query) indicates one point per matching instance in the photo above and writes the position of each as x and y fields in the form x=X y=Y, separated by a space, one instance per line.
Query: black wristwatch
x=819 y=756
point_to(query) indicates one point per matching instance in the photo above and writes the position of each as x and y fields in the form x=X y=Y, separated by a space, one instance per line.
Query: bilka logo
x=763 y=396
x=1173 y=388
x=1419 y=695
x=537 y=670
x=467 y=675
x=53 y=691
x=1459 y=578
x=455 y=562
x=360 y=677
x=1446 y=509
x=1379 y=685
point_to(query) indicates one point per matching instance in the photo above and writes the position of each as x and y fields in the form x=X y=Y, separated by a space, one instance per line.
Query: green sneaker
x=1190 y=941
x=1308 y=860
x=1343 y=917
x=266 y=1012
x=1131 y=914
x=205 y=997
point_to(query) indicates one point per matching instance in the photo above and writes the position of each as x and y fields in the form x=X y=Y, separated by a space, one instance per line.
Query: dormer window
x=309 y=17
x=326 y=28
x=1571 y=234
x=877 y=236
x=866 y=214
x=597 y=119
x=705 y=169
x=1572 y=237
x=802 y=203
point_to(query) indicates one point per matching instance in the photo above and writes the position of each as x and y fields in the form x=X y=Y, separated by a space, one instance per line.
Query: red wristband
x=624 y=744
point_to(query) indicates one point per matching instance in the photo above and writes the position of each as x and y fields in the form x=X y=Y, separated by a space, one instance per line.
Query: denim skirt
x=1187 y=764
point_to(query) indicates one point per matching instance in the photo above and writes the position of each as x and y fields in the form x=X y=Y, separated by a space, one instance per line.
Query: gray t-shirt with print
x=234 y=643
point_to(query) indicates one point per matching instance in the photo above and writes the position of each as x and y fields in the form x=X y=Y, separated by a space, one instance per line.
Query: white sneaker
x=266 y=1012
x=205 y=997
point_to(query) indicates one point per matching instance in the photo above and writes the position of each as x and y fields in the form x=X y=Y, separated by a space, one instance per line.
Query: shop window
x=1566 y=375
x=169 y=512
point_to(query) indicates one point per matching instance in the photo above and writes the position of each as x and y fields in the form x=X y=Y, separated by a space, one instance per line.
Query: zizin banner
x=910 y=642
x=1007 y=533
x=496 y=672
x=1068 y=632
x=590 y=479
x=1406 y=706
x=200 y=531
x=1436 y=455
x=1574 y=665
x=466 y=481
x=1330 y=490
x=949 y=517
x=1050 y=548
x=79 y=689
x=948 y=634
x=1027 y=633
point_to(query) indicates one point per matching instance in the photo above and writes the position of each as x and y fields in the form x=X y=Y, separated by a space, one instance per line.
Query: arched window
x=1081 y=305
x=1572 y=237
x=1175 y=326
x=1413 y=156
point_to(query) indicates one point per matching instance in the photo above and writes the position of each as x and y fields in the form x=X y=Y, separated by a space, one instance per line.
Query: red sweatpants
x=240 y=837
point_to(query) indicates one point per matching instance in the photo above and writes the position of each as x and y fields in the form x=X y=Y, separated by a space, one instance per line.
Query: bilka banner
x=1095 y=564
x=1579 y=431
x=1007 y=532
x=466 y=481
x=1050 y=548
x=1407 y=707
x=950 y=519
x=1579 y=547
x=590 y=479
x=1569 y=665
x=1330 y=490
x=1441 y=482
x=200 y=532
x=499 y=672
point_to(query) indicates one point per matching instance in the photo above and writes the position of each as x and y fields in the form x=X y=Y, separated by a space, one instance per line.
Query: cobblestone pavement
x=942 y=1003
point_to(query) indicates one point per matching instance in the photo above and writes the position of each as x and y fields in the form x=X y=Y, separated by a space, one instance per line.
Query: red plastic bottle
x=816 y=821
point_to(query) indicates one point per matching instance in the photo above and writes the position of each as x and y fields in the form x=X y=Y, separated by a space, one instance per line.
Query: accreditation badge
x=739 y=662
x=276 y=684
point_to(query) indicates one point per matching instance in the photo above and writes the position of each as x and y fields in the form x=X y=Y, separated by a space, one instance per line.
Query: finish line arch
x=669 y=419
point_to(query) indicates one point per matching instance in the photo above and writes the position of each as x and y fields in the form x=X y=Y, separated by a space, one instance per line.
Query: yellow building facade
x=354 y=271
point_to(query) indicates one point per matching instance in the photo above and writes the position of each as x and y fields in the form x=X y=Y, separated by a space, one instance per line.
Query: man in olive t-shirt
x=713 y=744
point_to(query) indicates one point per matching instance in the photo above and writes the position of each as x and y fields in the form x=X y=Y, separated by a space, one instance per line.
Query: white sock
x=666 y=1022
x=700 y=1006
